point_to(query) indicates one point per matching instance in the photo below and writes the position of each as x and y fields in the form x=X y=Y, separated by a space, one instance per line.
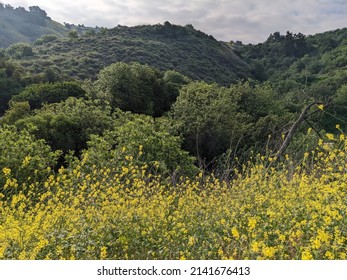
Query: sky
x=249 y=21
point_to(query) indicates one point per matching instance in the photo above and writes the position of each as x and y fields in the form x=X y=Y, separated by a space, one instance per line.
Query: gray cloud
x=246 y=20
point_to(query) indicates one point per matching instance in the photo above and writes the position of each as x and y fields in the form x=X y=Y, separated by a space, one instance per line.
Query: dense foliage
x=165 y=47
x=67 y=125
x=46 y=93
x=23 y=158
x=139 y=88
x=159 y=142
x=303 y=70
x=10 y=82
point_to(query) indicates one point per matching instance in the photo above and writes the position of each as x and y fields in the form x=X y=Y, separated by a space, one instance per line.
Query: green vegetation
x=143 y=140
x=11 y=82
x=161 y=127
x=140 y=88
x=222 y=119
x=305 y=70
x=67 y=125
x=39 y=94
x=29 y=159
x=165 y=47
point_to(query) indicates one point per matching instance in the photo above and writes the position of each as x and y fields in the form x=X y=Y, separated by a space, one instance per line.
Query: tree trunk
x=293 y=128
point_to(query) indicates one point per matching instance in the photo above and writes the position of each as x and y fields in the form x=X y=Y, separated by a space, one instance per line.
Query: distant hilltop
x=21 y=25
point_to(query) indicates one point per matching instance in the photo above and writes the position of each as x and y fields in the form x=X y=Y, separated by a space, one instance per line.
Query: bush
x=39 y=94
x=45 y=39
x=67 y=125
x=144 y=139
x=23 y=158
x=19 y=50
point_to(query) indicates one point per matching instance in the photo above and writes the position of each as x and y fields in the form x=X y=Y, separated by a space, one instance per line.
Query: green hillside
x=160 y=142
x=166 y=47
x=130 y=68
x=20 y=25
x=305 y=70
x=298 y=59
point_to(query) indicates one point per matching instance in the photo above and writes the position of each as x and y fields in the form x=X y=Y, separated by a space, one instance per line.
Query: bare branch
x=293 y=128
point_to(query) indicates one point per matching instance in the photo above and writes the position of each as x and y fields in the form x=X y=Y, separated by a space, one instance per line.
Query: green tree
x=67 y=125
x=17 y=111
x=173 y=82
x=39 y=94
x=148 y=141
x=45 y=39
x=210 y=119
x=136 y=88
x=38 y=11
x=10 y=82
x=73 y=34
x=19 y=50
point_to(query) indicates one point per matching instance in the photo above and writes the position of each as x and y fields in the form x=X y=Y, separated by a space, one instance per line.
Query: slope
x=167 y=46
x=20 y=25
x=305 y=69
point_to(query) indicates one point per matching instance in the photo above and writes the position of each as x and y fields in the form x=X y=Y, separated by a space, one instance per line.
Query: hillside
x=305 y=69
x=20 y=25
x=298 y=58
x=109 y=151
x=165 y=47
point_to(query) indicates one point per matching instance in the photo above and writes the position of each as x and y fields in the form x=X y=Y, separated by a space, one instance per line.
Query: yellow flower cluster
x=284 y=212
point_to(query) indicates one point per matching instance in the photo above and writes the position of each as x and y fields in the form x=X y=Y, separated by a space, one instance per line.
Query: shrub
x=23 y=158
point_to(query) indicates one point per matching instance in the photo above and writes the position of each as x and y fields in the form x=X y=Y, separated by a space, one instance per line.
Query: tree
x=210 y=119
x=10 y=82
x=17 y=111
x=19 y=50
x=173 y=81
x=39 y=94
x=38 y=11
x=9 y=7
x=258 y=71
x=267 y=112
x=134 y=87
x=302 y=117
x=89 y=32
x=146 y=140
x=45 y=39
x=67 y=125
x=73 y=34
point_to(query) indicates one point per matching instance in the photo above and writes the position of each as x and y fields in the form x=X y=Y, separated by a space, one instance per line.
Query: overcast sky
x=250 y=21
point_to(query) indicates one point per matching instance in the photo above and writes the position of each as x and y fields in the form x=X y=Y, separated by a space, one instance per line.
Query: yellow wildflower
x=191 y=241
x=269 y=252
x=255 y=246
x=235 y=233
x=329 y=255
x=252 y=223
x=330 y=136
x=103 y=253
x=26 y=161
x=306 y=255
x=6 y=171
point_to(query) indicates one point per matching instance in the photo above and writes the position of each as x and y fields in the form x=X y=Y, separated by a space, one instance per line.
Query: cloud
x=246 y=20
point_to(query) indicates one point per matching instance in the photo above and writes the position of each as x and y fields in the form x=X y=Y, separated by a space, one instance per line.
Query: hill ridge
x=21 y=25
x=164 y=46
